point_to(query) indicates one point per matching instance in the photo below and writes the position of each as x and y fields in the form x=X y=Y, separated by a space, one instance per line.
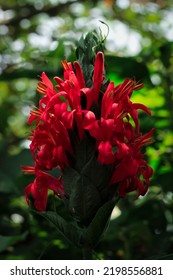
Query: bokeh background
x=34 y=37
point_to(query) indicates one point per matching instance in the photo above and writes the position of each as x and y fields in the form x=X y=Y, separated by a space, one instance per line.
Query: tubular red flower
x=79 y=74
x=98 y=75
x=46 y=86
x=107 y=101
x=39 y=189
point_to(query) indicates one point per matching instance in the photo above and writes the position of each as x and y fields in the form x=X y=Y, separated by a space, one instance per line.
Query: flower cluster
x=110 y=118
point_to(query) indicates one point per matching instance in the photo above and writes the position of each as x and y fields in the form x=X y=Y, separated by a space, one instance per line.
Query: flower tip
x=43 y=75
x=100 y=55
x=28 y=169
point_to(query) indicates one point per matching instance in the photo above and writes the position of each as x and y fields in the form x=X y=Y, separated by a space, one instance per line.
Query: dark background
x=35 y=37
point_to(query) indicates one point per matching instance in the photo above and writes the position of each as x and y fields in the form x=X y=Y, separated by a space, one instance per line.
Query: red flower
x=44 y=87
x=39 y=189
x=63 y=119
x=98 y=76
x=92 y=94
x=130 y=165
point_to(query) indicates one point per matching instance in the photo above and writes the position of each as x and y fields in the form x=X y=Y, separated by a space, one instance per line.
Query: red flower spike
x=65 y=116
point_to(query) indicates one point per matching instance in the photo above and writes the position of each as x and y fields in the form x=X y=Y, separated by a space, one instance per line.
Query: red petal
x=46 y=80
x=28 y=169
x=142 y=107
x=79 y=74
x=106 y=155
x=98 y=75
x=107 y=100
x=89 y=118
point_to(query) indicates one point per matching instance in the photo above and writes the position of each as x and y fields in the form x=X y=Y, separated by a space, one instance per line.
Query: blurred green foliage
x=35 y=37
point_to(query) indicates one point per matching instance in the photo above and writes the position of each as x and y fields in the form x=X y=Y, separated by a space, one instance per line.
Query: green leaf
x=98 y=174
x=86 y=50
x=66 y=229
x=99 y=224
x=84 y=200
x=79 y=183
x=84 y=151
x=83 y=197
x=69 y=179
x=86 y=164
x=86 y=185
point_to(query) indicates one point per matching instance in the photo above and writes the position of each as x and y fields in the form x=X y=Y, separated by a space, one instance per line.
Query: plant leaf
x=99 y=224
x=66 y=229
x=84 y=200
